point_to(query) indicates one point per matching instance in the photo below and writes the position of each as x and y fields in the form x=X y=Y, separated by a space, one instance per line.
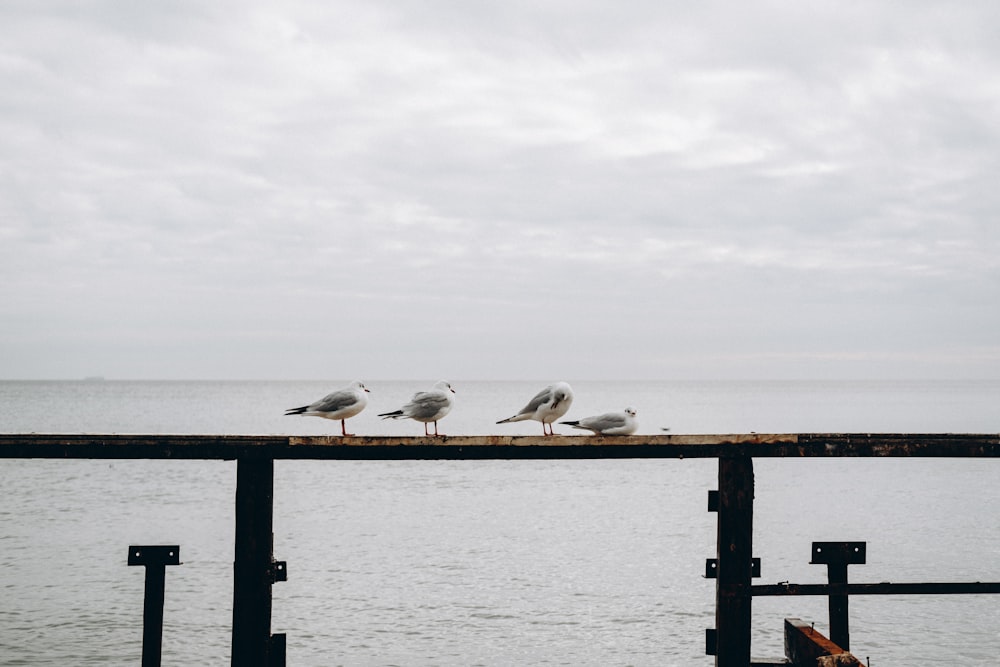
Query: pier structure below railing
x=255 y=569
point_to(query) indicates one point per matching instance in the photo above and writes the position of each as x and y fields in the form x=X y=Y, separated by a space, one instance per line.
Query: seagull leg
x=343 y=427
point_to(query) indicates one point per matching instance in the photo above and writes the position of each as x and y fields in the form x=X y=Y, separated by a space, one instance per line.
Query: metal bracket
x=276 y=650
x=279 y=571
x=712 y=568
x=154 y=555
x=713 y=501
x=838 y=553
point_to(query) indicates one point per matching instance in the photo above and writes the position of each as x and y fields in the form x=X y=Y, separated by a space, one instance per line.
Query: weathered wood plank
x=145 y=446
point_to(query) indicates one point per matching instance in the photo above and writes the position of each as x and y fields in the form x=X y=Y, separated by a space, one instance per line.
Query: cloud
x=264 y=189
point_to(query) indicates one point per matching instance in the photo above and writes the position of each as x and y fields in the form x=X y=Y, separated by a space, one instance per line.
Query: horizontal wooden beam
x=755 y=445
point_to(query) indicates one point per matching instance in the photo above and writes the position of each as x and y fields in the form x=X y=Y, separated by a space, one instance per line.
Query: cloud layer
x=434 y=189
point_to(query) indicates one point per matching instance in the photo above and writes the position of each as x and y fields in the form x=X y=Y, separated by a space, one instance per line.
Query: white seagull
x=340 y=404
x=547 y=406
x=426 y=406
x=610 y=423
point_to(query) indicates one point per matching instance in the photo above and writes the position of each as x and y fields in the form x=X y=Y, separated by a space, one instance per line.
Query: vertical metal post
x=840 y=633
x=252 y=568
x=837 y=556
x=735 y=546
x=156 y=559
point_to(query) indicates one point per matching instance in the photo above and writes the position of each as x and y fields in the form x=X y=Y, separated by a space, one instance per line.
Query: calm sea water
x=491 y=563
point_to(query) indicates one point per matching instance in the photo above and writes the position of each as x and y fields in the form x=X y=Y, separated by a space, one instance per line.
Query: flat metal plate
x=711 y=641
x=838 y=553
x=157 y=554
x=712 y=568
x=713 y=501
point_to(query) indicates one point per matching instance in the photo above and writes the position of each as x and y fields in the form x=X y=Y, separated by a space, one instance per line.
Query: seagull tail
x=392 y=415
x=516 y=418
x=296 y=411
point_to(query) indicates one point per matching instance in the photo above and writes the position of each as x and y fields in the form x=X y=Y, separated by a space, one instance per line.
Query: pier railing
x=256 y=570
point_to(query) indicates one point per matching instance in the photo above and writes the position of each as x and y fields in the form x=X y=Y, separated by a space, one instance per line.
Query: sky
x=504 y=190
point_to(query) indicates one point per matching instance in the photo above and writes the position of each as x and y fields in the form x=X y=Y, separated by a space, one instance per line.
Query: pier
x=733 y=565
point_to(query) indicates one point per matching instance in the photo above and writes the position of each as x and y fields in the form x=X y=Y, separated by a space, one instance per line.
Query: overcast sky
x=502 y=190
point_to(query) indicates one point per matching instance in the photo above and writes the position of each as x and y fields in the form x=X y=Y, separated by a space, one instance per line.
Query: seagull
x=610 y=423
x=547 y=406
x=340 y=404
x=426 y=406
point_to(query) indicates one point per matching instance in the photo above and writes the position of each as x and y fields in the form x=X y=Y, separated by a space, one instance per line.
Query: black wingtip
x=296 y=411
x=576 y=423
x=391 y=415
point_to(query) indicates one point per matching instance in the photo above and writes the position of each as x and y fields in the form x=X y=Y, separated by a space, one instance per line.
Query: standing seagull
x=426 y=406
x=610 y=423
x=547 y=406
x=340 y=404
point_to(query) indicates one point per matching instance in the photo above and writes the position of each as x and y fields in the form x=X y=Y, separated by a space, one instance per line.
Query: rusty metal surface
x=334 y=447
x=804 y=645
x=498 y=447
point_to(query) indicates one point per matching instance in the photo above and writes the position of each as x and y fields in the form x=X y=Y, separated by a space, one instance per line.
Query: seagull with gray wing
x=547 y=406
x=341 y=404
x=610 y=423
x=426 y=406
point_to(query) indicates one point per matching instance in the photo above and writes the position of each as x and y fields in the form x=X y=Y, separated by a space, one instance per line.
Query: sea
x=461 y=563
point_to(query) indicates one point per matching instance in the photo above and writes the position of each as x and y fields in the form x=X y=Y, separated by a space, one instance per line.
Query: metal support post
x=837 y=556
x=254 y=568
x=156 y=559
x=734 y=565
